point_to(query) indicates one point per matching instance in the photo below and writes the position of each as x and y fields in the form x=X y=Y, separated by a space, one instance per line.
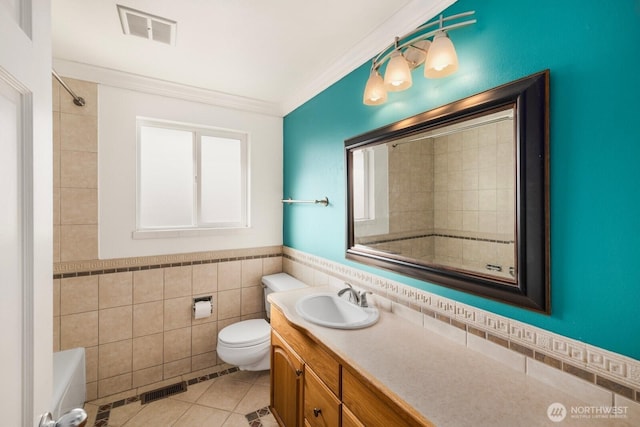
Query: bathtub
x=69 y=388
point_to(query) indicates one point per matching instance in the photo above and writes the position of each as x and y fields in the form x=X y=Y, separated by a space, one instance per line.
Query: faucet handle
x=363 y=298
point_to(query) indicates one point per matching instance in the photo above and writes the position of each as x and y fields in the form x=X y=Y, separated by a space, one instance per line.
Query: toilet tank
x=277 y=283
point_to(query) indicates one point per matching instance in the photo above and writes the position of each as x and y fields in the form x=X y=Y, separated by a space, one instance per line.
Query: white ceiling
x=272 y=55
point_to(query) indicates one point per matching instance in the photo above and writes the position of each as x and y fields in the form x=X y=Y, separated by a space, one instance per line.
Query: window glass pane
x=166 y=177
x=221 y=180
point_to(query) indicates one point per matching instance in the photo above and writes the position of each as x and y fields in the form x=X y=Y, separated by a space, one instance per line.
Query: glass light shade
x=442 y=59
x=374 y=91
x=397 y=77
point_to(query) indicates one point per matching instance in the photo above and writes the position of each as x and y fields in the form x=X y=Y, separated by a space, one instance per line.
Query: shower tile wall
x=474 y=196
x=134 y=316
x=460 y=200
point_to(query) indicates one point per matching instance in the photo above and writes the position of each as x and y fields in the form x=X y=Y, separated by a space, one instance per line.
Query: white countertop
x=448 y=383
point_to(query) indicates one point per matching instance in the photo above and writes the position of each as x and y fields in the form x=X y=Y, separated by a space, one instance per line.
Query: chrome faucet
x=353 y=295
x=359 y=299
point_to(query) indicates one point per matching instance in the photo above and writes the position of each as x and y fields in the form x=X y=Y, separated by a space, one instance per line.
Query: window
x=190 y=177
x=370 y=190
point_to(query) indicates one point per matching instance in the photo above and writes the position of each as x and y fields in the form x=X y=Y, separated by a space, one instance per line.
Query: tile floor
x=226 y=399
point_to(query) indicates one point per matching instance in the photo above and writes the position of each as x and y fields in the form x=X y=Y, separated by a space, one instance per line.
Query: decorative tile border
x=119 y=265
x=615 y=372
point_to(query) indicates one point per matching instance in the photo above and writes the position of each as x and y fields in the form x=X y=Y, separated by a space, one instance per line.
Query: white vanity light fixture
x=412 y=50
x=397 y=77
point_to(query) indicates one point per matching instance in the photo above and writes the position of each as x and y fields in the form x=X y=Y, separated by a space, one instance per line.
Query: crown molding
x=414 y=14
x=124 y=80
x=411 y=16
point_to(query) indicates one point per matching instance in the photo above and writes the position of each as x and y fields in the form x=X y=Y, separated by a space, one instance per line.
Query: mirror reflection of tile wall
x=455 y=195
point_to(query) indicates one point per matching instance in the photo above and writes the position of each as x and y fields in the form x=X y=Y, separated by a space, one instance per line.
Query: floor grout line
x=254 y=419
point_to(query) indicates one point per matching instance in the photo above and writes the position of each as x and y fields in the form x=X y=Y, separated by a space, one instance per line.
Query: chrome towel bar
x=324 y=201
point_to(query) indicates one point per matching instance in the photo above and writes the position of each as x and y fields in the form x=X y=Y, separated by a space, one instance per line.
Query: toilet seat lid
x=245 y=333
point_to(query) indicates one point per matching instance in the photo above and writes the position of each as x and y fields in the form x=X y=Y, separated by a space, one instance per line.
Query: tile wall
x=134 y=315
x=458 y=208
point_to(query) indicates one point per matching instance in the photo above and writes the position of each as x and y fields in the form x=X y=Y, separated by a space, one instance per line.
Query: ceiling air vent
x=142 y=24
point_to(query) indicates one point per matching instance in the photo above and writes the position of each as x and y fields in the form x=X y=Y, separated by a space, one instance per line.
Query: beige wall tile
x=78 y=132
x=203 y=361
x=229 y=275
x=87 y=90
x=115 y=289
x=91 y=363
x=205 y=279
x=177 y=344
x=252 y=300
x=271 y=265
x=56 y=297
x=177 y=281
x=92 y=391
x=204 y=338
x=502 y=354
x=114 y=385
x=56 y=205
x=147 y=376
x=56 y=167
x=115 y=359
x=55 y=94
x=78 y=294
x=56 y=243
x=251 y=272
x=79 y=330
x=148 y=351
x=579 y=388
x=177 y=313
x=148 y=318
x=177 y=368
x=229 y=304
x=79 y=206
x=78 y=242
x=148 y=285
x=78 y=169
x=633 y=408
x=56 y=333
x=116 y=324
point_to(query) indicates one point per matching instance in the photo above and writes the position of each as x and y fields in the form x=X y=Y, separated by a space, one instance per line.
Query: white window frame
x=376 y=170
x=197 y=227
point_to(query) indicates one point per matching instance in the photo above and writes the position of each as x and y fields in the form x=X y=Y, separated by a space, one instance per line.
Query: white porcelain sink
x=334 y=312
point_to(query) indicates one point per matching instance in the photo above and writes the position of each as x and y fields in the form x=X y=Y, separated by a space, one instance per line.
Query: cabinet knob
x=298 y=372
x=317 y=412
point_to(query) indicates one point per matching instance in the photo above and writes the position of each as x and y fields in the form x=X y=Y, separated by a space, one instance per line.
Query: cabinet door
x=348 y=419
x=286 y=383
x=321 y=407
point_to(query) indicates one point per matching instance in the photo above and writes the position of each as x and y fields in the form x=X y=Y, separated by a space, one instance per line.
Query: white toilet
x=247 y=344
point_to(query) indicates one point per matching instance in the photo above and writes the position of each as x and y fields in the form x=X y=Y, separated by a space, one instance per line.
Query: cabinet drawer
x=321 y=408
x=373 y=407
x=325 y=366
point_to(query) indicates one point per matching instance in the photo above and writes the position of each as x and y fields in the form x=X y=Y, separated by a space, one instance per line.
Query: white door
x=25 y=211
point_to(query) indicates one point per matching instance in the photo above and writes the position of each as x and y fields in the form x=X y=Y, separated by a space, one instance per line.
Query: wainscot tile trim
x=62 y=270
x=614 y=372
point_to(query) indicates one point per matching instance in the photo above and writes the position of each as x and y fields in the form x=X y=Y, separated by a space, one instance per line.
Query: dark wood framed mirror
x=459 y=195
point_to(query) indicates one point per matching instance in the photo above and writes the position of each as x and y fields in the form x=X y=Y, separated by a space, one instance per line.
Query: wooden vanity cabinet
x=286 y=383
x=321 y=406
x=310 y=387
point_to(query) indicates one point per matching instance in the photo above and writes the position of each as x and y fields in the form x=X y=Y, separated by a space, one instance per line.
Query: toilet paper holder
x=208 y=299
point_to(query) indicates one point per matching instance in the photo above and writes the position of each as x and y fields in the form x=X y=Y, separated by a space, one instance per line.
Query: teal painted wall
x=593 y=51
